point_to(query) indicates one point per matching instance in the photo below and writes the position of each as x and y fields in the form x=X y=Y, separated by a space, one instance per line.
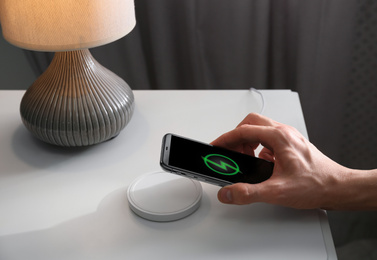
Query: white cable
x=262 y=99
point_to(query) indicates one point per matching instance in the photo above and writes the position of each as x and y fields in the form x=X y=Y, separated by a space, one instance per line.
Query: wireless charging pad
x=162 y=196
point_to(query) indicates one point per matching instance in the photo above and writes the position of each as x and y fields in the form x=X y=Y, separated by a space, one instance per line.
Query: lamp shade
x=61 y=25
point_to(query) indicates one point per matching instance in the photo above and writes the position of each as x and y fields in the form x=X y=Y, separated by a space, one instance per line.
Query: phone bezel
x=164 y=162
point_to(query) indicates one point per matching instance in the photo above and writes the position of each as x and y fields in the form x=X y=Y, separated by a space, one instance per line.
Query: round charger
x=162 y=196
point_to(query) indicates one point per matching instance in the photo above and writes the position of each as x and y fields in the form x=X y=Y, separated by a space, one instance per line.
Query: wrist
x=353 y=190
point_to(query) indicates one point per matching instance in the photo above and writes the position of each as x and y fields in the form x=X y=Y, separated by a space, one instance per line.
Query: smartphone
x=211 y=164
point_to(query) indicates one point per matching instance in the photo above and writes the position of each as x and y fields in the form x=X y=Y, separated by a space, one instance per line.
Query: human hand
x=303 y=177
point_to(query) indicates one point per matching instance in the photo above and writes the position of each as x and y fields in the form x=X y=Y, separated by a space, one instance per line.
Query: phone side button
x=177 y=173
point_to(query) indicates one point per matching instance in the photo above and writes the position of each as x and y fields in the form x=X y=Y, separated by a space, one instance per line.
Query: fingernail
x=226 y=196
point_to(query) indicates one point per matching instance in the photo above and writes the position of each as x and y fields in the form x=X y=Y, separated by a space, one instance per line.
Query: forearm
x=354 y=190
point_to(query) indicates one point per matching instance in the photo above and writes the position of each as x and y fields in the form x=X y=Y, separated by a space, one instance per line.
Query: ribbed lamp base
x=77 y=102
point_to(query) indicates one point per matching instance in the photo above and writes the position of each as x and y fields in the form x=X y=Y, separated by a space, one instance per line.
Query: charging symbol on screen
x=221 y=164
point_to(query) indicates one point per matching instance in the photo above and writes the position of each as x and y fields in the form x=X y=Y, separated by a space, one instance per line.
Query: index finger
x=252 y=135
x=257 y=119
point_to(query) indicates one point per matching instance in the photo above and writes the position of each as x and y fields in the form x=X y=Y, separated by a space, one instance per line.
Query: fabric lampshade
x=61 y=25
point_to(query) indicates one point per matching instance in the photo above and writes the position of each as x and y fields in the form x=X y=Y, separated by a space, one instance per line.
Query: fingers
x=249 y=149
x=250 y=135
x=240 y=194
x=266 y=154
x=257 y=119
x=252 y=119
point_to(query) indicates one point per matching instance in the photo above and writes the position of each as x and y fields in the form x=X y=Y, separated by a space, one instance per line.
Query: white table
x=59 y=203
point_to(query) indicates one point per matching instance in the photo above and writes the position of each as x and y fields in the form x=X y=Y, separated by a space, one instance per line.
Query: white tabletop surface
x=59 y=203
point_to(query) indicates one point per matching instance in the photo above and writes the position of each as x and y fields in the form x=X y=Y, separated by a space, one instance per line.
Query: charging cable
x=262 y=99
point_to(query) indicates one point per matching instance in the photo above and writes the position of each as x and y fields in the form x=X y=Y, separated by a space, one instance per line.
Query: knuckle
x=253 y=115
x=286 y=132
x=277 y=193
x=243 y=128
x=282 y=132
x=243 y=131
x=242 y=194
x=291 y=136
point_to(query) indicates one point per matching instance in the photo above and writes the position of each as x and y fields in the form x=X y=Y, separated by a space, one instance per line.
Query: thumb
x=240 y=194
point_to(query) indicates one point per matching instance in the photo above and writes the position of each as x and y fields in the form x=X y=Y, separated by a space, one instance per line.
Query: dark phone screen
x=217 y=162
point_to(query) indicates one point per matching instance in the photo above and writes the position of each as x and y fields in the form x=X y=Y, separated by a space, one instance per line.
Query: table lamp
x=76 y=101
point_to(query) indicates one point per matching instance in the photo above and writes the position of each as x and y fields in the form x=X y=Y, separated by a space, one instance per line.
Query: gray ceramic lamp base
x=77 y=102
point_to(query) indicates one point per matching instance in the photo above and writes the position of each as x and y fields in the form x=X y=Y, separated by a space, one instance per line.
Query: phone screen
x=213 y=162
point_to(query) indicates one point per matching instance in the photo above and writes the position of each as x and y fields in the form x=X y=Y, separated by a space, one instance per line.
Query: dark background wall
x=15 y=70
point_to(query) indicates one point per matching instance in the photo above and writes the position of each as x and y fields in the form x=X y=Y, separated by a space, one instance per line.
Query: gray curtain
x=221 y=44
x=323 y=49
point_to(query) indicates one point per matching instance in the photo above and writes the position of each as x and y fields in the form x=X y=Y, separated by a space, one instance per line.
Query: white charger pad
x=162 y=196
